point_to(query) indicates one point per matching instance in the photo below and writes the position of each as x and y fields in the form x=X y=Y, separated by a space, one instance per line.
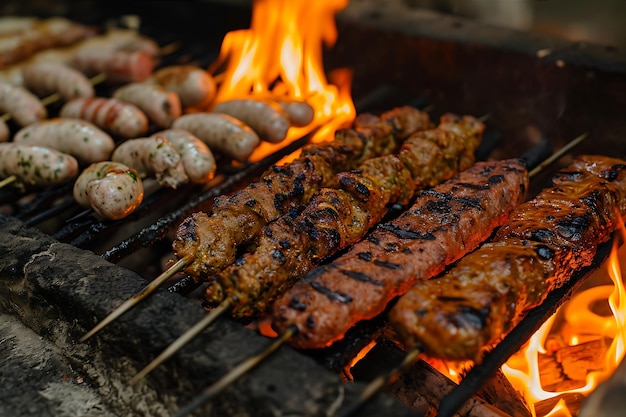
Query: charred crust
x=361 y=277
x=544 y=252
x=495 y=179
x=251 y=203
x=350 y=184
x=365 y=256
x=542 y=235
x=373 y=239
x=475 y=317
x=407 y=251
x=310 y=322
x=296 y=304
x=285 y=244
x=279 y=256
x=573 y=229
x=406 y=234
x=240 y=261
x=612 y=173
x=391 y=247
x=469 y=202
x=387 y=265
x=330 y=294
x=279 y=200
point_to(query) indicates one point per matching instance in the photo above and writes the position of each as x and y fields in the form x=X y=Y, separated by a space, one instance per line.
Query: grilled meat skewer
x=293 y=244
x=545 y=241
x=443 y=224
x=210 y=241
x=337 y=217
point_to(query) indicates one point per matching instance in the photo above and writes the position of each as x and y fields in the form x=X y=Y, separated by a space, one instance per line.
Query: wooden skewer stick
x=236 y=372
x=8 y=180
x=569 y=146
x=131 y=302
x=379 y=382
x=184 y=339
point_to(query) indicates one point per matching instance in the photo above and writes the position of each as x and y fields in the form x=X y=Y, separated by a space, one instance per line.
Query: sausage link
x=220 y=132
x=159 y=104
x=152 y=156
x=112 y=115
x=266 y=118
x=111 y=189
x=300 y=113
x=46 y=78
x=24 y=106
x=196 y=156
x=35 y=165
x=118 y=66
x=76 y=137
x=195 y=86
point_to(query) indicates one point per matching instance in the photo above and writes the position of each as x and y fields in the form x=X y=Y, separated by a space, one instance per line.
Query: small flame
x=581 y=325
x=280 y=58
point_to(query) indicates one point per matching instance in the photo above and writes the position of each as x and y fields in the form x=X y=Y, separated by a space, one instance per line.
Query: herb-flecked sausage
x=36 y=166
x=111 y=189
x=197 y=158
x=77 y=137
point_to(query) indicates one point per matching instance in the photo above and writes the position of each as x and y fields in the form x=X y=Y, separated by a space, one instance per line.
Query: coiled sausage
x=196 y=156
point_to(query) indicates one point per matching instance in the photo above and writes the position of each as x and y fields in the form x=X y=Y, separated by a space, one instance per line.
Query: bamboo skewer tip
x=132 y=302
x=7 y=181
x=183 y=339
x=236 y=372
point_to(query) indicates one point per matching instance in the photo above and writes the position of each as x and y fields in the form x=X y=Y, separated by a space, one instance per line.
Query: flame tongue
x=580 y=324
x=280 y=57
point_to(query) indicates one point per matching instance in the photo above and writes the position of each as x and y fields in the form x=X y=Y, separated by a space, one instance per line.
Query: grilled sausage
x=458 y=315
x=221 y=132
x=160 y=105
x=76 y=137
x=152 y=156
x=197 y=158
x=111 y=189
x=266 y=118
x=195 y=86
x=46 y=78
x=113 y=116
x=35 y=165
x=300 y=113
x=118 y=66
x=21 y=104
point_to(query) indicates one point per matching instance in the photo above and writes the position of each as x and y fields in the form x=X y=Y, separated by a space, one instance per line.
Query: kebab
x=501 y=184
x=335 y=218
x=206 y=243
x=546 y=240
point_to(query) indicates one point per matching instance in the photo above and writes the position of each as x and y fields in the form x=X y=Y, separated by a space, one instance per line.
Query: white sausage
x=300 y=113
x=221 y=132
x=160 y=105
x=24 y=106
x=46 y=78
x=153 y=156
x=195 y=86
x=76 y=137
x=111 y=189
x=266 y=118
x=195 y=155
x=35 y=165
x=112 y=115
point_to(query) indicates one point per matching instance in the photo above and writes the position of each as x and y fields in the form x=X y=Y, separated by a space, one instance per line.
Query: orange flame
x=580 y=324
x=280 y=58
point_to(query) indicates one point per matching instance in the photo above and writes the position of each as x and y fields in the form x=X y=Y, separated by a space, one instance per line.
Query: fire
x=580 y=325
x=280 y=57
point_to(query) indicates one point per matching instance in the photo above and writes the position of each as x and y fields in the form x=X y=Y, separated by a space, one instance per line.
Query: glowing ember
x=280 y=58
x=581 y=327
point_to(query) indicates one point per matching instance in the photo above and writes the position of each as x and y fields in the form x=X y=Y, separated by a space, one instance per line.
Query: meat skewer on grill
x=294 y=244
x=479 y=183
x=546 y=241
x=206 y=243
